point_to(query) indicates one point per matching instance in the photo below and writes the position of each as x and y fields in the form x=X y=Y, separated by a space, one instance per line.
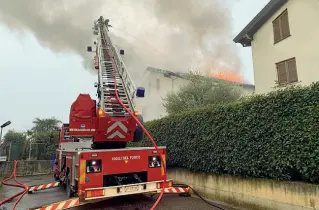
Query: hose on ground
x=198 y=195
x=19 y=184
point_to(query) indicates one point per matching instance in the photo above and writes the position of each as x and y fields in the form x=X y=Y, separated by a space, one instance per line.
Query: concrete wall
x=248 y=193
x=302 y=44
x=26 y=168
x=251 y=193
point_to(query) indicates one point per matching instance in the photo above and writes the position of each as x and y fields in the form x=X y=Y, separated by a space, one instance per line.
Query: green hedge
x=269 y=136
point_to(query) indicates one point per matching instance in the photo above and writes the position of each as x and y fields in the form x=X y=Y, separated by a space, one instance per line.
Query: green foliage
x=200 y=91
x=14 y=137
x=44 y=136
x=269 y=136
x=14 y=144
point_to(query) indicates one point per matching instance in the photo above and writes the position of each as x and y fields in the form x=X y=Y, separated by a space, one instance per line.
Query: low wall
x=27 y=168
x=251 y=193
x=248 y=193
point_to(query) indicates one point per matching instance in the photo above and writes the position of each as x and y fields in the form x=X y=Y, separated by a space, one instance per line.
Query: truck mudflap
x=60 y=205
x=43 y=187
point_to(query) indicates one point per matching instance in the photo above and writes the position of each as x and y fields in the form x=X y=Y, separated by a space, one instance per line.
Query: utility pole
x=2 y=126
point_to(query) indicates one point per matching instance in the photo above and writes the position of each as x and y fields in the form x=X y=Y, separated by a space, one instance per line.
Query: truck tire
x=68 y=188
x=56 y=178
x=138 y=133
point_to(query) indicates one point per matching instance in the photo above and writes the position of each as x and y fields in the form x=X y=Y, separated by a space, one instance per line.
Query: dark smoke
x=184 y=34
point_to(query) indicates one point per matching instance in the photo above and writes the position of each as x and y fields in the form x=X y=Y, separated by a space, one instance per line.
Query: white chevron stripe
x=48 y=208
x=72 y=203
x=60 y=205
x=117 y=133
x=118 y=123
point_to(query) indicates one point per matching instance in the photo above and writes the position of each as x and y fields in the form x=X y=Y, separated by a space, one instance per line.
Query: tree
x=16 y=142
x=44 y=136
x=200 y=91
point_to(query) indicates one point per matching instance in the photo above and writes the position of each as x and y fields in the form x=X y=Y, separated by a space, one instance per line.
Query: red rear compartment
x=83 y=116
x=120 y=167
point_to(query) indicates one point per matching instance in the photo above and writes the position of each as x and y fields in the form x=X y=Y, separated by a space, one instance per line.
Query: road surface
x=137 y=202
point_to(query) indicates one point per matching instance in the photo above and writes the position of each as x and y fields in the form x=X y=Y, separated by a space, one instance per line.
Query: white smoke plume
x=171 y=34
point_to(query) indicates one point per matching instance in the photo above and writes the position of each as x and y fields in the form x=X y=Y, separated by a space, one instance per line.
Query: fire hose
x=147 y=134
x=156 y=147
x=19 y=184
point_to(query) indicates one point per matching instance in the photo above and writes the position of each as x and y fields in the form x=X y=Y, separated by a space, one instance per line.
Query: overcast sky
x=37 y=82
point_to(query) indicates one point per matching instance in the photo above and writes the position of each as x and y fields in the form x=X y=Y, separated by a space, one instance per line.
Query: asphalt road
x=137 y=202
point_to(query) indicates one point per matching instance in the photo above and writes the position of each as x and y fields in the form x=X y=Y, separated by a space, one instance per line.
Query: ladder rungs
x=115 y=105
x=118 y=110
x=111 y=99
x=109 y=94
x=119 y=89
x=118 y=114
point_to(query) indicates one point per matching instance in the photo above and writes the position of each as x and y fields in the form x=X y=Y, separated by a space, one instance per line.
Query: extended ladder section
x=110 y=63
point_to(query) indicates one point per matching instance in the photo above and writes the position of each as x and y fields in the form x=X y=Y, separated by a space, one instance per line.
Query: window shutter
x=282 y=73
x=276 y=27
x=285 y=25
x=292 y=71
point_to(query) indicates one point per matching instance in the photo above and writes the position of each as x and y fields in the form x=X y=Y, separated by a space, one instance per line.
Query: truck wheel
x=138 y=133
x=56 y=178
x=69 y=191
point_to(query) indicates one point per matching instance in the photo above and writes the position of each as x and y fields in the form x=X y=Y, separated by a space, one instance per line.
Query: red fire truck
x=93 y=160
x=100 y=173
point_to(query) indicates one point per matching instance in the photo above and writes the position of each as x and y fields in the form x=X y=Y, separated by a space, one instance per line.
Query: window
x=281 y=27
x=157 y=84
x=93 y=166
x=154 y=162
x=287 y=71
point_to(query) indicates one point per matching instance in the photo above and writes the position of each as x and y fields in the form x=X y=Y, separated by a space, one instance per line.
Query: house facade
x=158 y=83
x=284 y=38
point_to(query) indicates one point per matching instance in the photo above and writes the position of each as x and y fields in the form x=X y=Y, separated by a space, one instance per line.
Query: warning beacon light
x=140 y=92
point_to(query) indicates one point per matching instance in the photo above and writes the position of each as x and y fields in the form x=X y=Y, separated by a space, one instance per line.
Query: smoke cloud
x=179 y=35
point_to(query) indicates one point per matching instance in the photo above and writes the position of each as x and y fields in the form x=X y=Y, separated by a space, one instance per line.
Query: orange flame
x=228 y=76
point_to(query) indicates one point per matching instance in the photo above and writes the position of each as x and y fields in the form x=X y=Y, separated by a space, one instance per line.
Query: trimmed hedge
x=268 y=136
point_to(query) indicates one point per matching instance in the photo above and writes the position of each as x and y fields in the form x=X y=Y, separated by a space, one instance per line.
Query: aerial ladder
x=113 y=126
